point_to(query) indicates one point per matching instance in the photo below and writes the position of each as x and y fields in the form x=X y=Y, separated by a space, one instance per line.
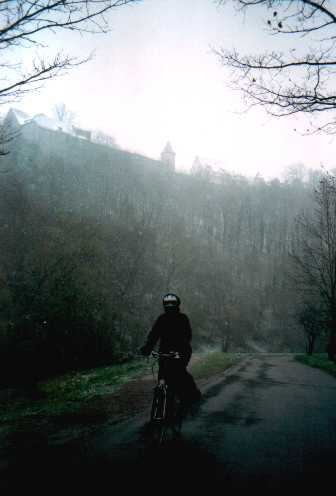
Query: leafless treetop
x=23 y=24
x=299 y=79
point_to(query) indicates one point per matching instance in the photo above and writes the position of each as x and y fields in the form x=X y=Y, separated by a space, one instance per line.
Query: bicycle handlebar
x=170 y=354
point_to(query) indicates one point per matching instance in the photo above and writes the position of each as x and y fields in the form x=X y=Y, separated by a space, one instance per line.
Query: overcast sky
x=155 y=78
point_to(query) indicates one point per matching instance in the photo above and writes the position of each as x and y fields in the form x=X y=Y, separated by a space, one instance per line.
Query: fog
x=141 y=172
x=154 y=77
x=104 y=207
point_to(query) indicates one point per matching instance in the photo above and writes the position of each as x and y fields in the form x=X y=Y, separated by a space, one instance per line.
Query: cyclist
x=173 y=332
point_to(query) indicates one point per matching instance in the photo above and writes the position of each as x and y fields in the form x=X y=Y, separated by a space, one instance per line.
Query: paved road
x=270 y=422
x=267 y=424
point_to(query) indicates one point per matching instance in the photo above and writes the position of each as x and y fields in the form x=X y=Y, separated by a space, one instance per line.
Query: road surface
x=267 y=424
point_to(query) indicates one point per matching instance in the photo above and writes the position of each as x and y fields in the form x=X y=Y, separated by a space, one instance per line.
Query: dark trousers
x=179 y=380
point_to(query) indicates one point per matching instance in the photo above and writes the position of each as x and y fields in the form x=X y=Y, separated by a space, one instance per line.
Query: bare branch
x=300 y=80
x=23 y=21
x=23 y=24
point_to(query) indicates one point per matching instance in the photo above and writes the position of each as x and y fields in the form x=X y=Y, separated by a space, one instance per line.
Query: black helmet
x=171 y=300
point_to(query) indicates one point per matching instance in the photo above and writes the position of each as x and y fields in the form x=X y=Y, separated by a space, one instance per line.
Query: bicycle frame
x=159 y=406
x=163 y=412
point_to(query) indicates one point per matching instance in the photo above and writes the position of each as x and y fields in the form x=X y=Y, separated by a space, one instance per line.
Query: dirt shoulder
x=35 y=425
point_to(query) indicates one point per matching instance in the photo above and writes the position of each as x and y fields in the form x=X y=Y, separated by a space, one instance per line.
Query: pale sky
x=155 y=78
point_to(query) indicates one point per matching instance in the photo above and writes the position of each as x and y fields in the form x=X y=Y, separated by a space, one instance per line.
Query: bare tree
x=24 y=23
x=310 y=319
x=63 y=113
x=315 y=253
x=104 y=138
x=301 y=79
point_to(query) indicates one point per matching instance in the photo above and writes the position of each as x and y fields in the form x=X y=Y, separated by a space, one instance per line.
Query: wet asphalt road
x=268 y=424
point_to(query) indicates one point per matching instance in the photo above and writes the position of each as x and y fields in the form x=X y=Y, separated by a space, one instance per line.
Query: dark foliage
x=92 y=236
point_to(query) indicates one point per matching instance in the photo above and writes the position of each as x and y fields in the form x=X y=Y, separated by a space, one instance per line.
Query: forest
x=92 y=237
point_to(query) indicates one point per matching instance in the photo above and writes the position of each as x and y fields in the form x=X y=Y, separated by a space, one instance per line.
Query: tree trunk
x=311 y=343
x=225 y=343
x=331 y=348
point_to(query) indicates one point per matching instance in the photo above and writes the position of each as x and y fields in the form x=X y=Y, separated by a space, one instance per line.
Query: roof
x=20 y=116
x=41 y=120
x=54 y=124
x=168 y=148
x=197 y=164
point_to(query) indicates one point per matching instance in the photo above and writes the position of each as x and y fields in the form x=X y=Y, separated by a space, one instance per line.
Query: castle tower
x=197 y=166
x=168 y=156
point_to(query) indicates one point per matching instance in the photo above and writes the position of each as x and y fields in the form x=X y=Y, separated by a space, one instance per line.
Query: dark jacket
x=173 y=330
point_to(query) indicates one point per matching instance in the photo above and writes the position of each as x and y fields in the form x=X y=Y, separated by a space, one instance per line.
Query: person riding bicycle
x=173 y=332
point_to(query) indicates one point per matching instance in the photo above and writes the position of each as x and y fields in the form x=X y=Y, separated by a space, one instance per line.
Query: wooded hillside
x=93 y=236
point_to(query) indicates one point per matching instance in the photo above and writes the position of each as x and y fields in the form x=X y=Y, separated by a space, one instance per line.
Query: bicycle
x=166 y=412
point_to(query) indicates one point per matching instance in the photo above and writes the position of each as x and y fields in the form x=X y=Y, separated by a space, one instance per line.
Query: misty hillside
x=93 y=236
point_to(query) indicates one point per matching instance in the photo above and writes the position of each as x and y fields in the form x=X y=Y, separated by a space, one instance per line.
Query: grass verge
x=68 y=393
x=72 y=393
x=213 y=363
x=319 y=360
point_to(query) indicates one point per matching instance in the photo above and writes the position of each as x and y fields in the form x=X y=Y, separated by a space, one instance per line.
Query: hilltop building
x=168 y=156
x=15 y=119
x=50 y=139
x=56 y=134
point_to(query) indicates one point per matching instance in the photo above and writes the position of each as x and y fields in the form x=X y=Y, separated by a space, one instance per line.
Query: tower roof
x=197 y=163
x=168 y=148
